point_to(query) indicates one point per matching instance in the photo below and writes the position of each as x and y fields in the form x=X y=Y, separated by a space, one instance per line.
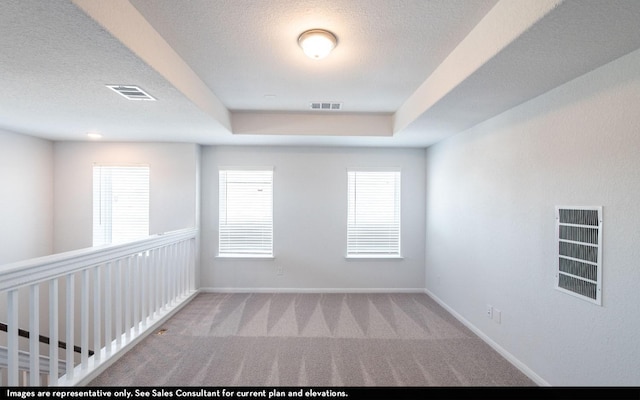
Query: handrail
x=41 y=269
x=43 y=339
x=110 y=296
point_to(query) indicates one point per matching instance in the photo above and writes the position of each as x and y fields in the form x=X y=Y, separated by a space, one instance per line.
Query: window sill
x=243 y=257
x=373 y=257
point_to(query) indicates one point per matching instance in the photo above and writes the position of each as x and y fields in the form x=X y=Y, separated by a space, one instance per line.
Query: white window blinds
x=120 y=203
x=373 y=216
x=246 y=212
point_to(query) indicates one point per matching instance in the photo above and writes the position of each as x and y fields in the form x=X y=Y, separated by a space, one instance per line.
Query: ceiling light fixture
x=94 y=135
x=317 y=43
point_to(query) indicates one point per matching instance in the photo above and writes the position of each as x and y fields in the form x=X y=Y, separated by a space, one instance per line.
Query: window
x=120 y=203
x=373 y=213
x=246 y=213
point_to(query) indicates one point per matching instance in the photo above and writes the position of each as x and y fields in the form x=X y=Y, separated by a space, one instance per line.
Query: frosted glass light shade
x=317 y=43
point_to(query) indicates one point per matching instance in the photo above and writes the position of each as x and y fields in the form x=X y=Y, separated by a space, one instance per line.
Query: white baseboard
x=310 y=290
x=504 y=353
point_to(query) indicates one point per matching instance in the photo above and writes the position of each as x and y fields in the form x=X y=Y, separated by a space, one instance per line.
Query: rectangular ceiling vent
x=579 y=267
x=325 y=106
x=131 y=92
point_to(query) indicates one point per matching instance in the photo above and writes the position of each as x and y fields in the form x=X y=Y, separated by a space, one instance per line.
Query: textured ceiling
x=248 y=49
x=409 y=73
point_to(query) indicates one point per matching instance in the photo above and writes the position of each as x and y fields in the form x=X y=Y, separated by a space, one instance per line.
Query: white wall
x=491 y=193
x=26 y=211
x=310 y=211
x=173 y=186
x=26 y=197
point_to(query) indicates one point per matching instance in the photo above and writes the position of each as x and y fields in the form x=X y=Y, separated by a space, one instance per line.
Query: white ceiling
x=409 y=73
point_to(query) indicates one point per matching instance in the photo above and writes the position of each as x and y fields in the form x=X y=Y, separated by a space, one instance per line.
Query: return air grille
x=325 y=106
x=579 y=268
x=131 y=92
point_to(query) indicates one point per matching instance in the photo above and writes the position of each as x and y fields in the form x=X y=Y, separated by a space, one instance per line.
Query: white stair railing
x=100 y=299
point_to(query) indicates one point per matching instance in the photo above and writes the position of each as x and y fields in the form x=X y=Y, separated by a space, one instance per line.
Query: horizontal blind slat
x=373 y=212
x=246 y=212
x=121 y=203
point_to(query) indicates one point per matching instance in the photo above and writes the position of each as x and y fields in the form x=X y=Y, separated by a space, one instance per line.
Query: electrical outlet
x=280 y=270
x=497 y=316
x=489 y=311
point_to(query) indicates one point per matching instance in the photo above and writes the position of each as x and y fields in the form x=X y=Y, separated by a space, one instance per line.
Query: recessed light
x=94 y=135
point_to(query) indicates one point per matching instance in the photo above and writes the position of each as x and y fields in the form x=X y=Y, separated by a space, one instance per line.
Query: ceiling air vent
x=579 y=268
x=131 y=92
x=325 y=106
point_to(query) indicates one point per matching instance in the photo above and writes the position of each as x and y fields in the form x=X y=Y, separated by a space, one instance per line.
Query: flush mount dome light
x=317 y=43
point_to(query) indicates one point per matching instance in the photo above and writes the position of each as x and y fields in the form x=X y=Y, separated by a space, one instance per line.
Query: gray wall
x=26 y=197
x=491 y=195
x=173 y=186
x=310 y=211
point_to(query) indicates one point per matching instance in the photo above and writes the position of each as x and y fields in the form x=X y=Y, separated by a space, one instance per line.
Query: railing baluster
x=151 y=276
x=70 y=325
x=127 y=296
x=34 y=335
x=12 y=339
x=53 y=331
x=146 y=289
x=165 y=278
x=167 y=271
x=108 y=320
x=194 y=259
x=183 y=268
x=187 y=266
x=177 y=271
x=118 y=303
x=192 y=264
x=142 y=268
x=135 y=295
x=172 y=275
x=178 y=268
x=157 y=272
x=136 y=292
x=84 y=320
x=97 y=324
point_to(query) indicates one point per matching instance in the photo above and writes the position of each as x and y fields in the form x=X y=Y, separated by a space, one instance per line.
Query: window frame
x=249 y=255
x=397 y=211
x=99 y=228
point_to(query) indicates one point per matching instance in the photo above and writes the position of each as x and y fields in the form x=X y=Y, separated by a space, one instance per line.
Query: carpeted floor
x=312 y=340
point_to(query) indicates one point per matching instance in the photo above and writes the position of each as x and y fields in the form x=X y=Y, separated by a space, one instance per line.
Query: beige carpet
x=312 y=340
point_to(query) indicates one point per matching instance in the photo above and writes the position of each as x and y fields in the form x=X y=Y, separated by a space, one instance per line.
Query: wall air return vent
x=131 y=92
x=579 y=267
x=325 y=106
